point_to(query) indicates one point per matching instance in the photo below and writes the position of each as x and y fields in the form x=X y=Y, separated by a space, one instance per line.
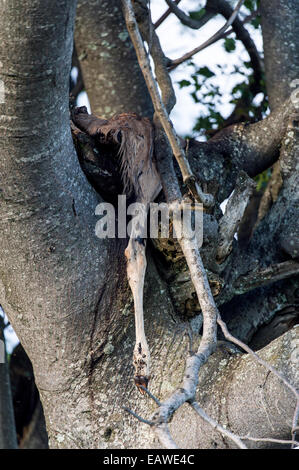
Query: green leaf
x=229 y=44
x=205 y=71
x=256 y=22
x=197 y=15
x=184 y=83
x=202 y=123
x=262 y=179
x=250 y=4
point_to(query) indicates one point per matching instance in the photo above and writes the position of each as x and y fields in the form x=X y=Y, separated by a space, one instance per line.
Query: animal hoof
x=141 y=381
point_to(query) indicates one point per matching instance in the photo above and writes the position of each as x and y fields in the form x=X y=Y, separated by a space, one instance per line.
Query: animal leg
x=136 y=266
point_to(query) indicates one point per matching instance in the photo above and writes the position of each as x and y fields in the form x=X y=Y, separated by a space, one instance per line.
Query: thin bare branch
x=207 y=345
x=164 y=436
x=224 y=8
x=150 y=395
x=272 y=273
x=268 y=366
x=246 y=348
x=268 y=439
x=236 y=439
x=142 y=420
x=160 y=62
x=211 y=40
x=164 y=16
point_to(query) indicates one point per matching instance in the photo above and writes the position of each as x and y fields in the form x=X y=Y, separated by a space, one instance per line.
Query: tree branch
x=268 y=439
x=186 y=19
x=159 y=59
x=261 y=277
x=211 y=40
x=234 y=212
x=236 y=439
x=268 y=366
x=164 y=16
x=222 y=7
x=142 y=420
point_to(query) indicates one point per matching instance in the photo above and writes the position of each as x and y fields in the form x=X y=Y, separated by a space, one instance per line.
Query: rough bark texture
x=233 y=386
x=281 y=40
x=106 y=54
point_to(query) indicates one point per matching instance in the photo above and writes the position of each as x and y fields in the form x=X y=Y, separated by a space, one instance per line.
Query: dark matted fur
x=133 y=134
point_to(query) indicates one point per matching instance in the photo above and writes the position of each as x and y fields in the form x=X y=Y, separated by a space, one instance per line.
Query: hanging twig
x=142 y=420
x=164 y=16
x=151 y=395
x=225 y=432
x=268 y=366
x=211 y=40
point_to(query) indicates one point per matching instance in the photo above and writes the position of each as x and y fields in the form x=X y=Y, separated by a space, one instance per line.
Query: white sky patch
x=223 y=205
x=177 y=39
x=74 y=73
x=83 y=100
x=11 y=338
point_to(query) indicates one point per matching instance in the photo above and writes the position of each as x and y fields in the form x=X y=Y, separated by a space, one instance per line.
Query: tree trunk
x=280 y=37
x=112 y=77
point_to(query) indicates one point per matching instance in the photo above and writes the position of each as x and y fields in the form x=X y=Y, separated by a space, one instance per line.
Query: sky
x=176 y=40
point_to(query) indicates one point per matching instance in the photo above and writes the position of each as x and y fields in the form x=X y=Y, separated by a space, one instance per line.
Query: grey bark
x=280 y=36
x=233 y=386
x=112 y=77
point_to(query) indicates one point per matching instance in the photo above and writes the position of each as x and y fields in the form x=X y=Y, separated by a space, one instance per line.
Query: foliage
x=204 y=89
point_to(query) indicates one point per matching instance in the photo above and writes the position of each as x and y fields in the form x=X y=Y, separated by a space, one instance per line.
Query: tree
x=65 y=291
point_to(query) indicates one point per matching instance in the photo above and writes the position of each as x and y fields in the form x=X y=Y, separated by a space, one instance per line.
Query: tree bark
x=280 y=37
x=232 y=387
x=113 y=80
